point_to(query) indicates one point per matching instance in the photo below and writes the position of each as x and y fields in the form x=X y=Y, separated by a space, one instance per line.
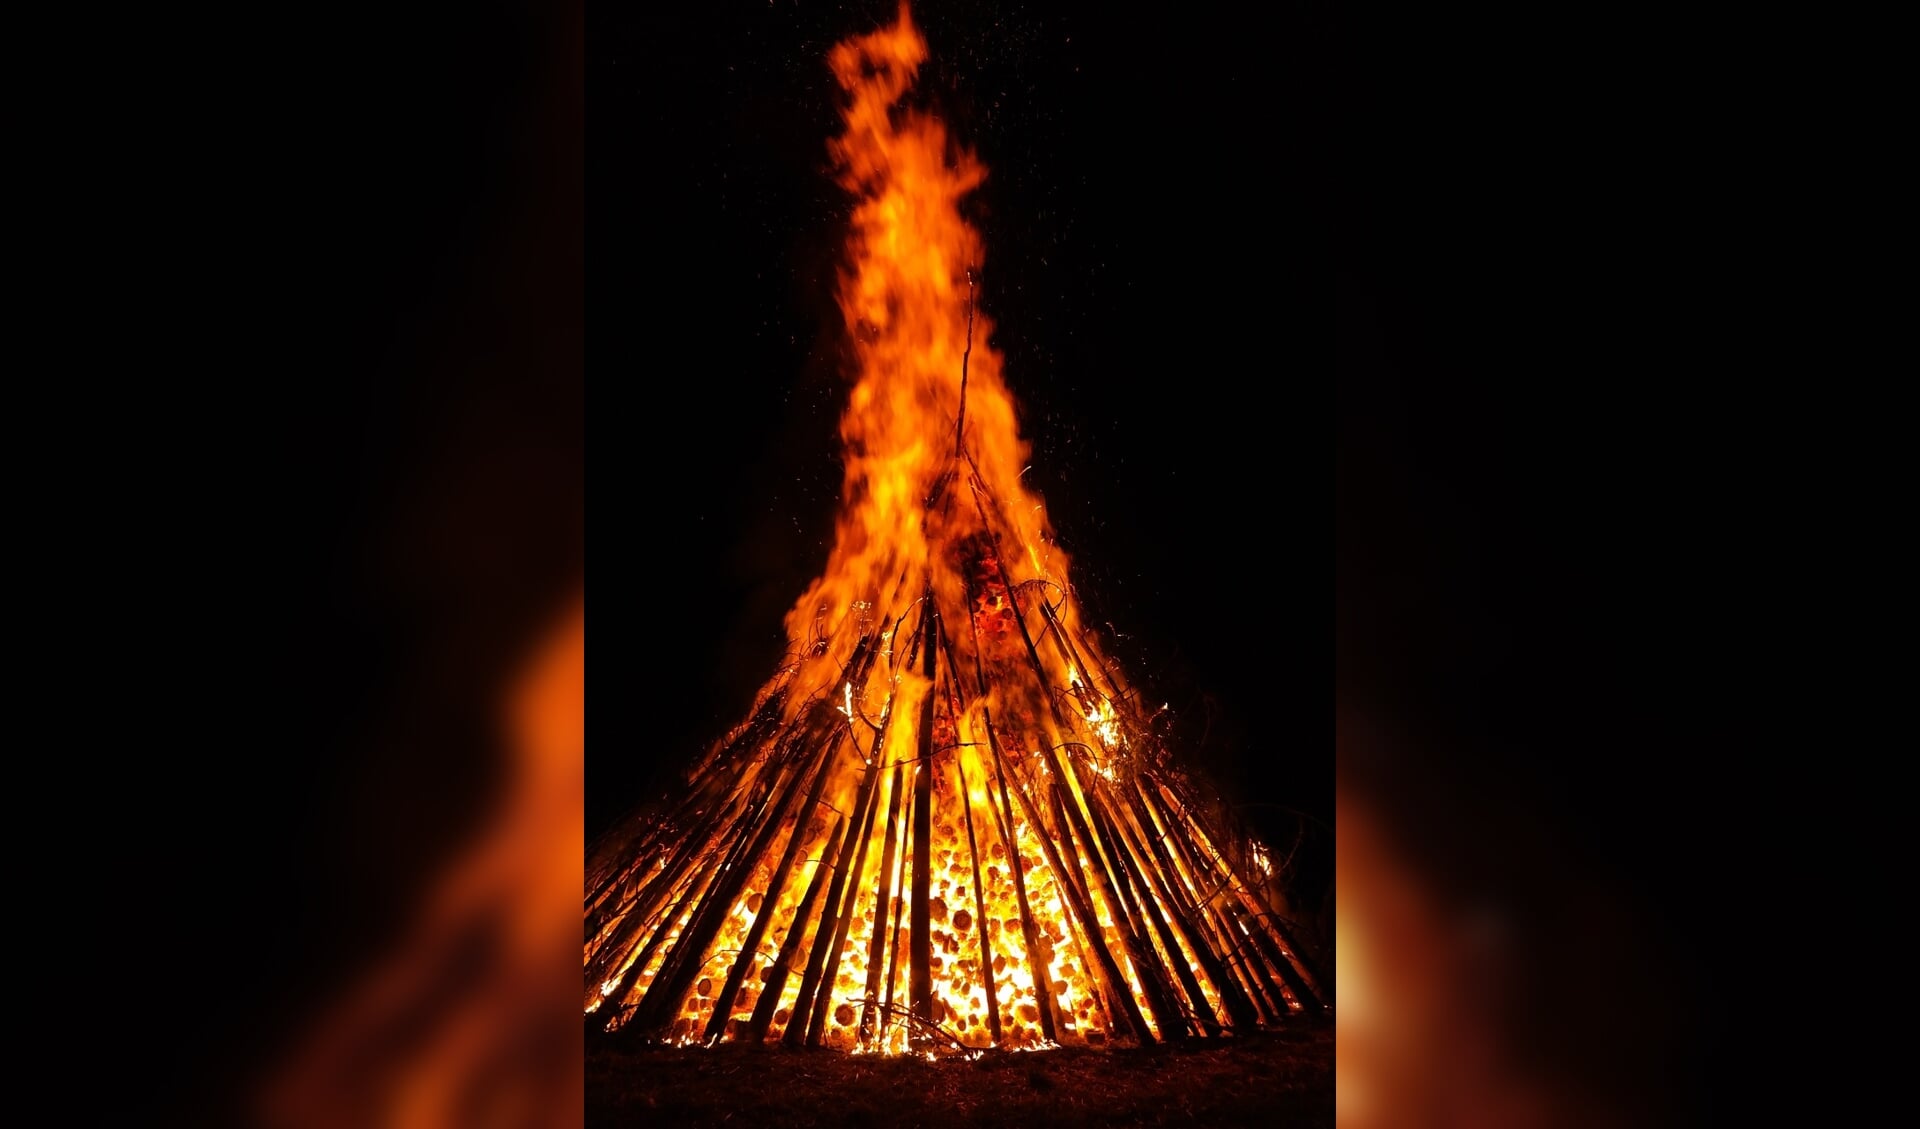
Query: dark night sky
x=1405 y=336
x=1157 y=272
x=1264 y=280
x=1360 y=334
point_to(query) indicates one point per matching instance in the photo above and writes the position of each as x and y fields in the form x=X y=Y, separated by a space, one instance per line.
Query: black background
x=1158 y=273
x=1453 y=270
x=377 y=300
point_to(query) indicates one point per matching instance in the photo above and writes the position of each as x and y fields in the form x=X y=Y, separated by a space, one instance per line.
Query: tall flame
x=908 y=298
x=942 y=824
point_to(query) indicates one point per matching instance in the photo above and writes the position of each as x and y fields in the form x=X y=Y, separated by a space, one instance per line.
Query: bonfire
x=948 y=823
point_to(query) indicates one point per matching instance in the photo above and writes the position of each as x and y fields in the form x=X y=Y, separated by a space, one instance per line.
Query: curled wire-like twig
x=893 y=1013
x=1053 y=602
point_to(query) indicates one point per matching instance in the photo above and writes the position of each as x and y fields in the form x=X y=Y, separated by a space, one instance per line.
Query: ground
x=1276 y=1080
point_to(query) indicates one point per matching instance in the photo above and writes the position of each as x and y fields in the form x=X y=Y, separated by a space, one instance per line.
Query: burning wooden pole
x=1069 y=878
x=833 y=924
x=1075 y=836
x=774 y=981
x=820 y=995
x=882 y=903
x=1135 y=889
x=920 y=978
x=1016 y=864
x=1240 y=1010
x=979 y=906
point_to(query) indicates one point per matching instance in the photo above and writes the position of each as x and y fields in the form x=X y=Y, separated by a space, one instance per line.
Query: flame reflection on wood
x=947 y=821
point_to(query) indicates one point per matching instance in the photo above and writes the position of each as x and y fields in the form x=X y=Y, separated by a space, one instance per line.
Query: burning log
x=825 y=958
x=980 y=906
x=878 y=945
x=869 y=802
x=1143 y=902
x=1240 y=1010
x=776 y=982
x=920 y=989
x=1018 y=868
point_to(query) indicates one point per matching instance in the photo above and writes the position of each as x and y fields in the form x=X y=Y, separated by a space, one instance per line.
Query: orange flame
x=908 y=301
x=983 y=773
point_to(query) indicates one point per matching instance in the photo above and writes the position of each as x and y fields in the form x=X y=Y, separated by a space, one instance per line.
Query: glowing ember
x=942 y=825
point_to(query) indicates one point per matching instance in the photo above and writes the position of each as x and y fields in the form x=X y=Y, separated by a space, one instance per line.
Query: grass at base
x=1273 y=1079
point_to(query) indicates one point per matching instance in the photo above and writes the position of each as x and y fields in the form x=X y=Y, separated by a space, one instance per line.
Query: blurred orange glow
x=1486 y=978
x=1413 y=1045
x=470 y=1021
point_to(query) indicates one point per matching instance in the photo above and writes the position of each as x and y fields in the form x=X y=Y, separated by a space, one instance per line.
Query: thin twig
x=960 y=424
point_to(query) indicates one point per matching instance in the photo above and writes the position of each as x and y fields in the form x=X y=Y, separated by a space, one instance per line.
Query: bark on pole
x=920 y=941
x=1240 y=1009
x=683 y=963
x=1144 y=897
x=893 y=956
x=1309 y=980
x=712 y=835
x=775 y=981
x=845 y=886
x=1107 y=968
x=615 y=857
x=1240 y=951
x=770 y=897
x=877 y=944
x=1297 y=981
x=876 y=772
x=980 y=910
x=1071 y=826
x=1042 y=984
x=1280 y=958
x=973 y=856
x=672 y=912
